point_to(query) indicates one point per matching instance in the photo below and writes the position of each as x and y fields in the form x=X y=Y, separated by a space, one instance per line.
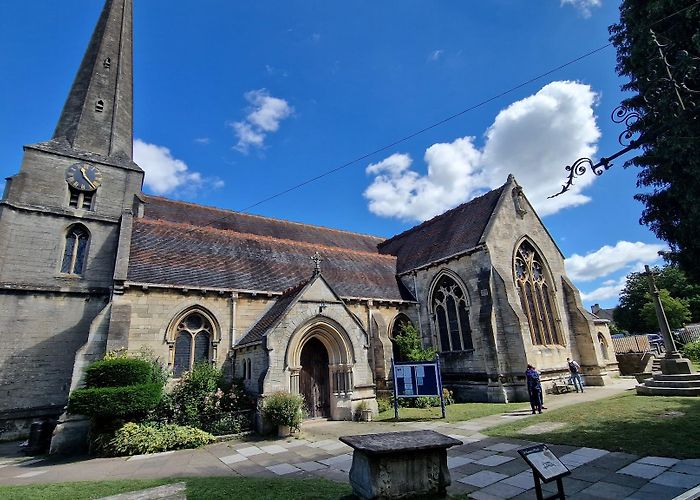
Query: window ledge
x=70 y=276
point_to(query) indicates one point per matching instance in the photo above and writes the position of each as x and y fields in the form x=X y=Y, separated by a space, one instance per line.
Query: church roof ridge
x=441 y=216
x=261 y=237
x=265 y=217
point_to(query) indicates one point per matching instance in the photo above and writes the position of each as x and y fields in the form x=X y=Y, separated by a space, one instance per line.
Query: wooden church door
x=314 y=380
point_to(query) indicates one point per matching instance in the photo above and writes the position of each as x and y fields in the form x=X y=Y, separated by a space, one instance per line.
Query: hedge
x=119 y=372
x=134 y=439
x=116 y=402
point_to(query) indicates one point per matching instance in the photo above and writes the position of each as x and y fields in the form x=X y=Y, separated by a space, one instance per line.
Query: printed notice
x=546 y=463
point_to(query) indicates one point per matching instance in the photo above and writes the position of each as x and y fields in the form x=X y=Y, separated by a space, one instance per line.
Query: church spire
x=97 y=116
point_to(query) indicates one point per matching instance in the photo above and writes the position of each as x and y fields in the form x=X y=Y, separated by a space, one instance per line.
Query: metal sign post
x=546 y=467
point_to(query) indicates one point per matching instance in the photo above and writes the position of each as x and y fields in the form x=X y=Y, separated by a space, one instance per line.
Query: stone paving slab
x=482 y=478
x=175 y=491
x=642 y=470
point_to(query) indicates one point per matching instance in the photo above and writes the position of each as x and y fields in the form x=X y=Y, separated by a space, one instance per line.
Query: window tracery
x=451 y=316
x=193 y=341
x=536 y=296
x=75 y=252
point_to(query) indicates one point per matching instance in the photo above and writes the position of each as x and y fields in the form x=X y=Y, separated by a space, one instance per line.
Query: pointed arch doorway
x=314 y=380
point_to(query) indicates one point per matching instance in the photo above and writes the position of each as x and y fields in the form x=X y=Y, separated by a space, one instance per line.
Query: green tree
x=669 y=164
x=634 y=296
x=677 y=312
x=411 y=346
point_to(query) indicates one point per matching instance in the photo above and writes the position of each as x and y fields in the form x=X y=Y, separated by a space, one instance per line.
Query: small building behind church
x=90 y=263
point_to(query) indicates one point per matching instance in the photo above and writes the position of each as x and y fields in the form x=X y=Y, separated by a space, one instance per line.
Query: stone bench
x=399 y=464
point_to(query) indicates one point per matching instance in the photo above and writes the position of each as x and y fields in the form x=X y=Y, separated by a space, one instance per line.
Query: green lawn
x=197 y=488
x=642 y=425
x=455 y=412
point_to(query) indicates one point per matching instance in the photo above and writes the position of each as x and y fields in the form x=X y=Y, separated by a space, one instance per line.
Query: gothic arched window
x=400 y=322
x=75 y=252
x=451 y=316
x=192 y=342
x=536 y=296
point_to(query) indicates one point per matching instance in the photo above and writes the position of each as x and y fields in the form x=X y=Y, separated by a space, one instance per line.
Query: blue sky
x=237 y=101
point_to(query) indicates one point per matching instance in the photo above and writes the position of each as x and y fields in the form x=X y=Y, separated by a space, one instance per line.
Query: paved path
x=486 y=468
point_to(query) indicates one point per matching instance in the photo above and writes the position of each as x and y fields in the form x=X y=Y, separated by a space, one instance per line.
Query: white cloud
x=583 y=6
x=264 y=117
x=609 y=259
x=532 y=138
x=609 y=290
x=165 y=173
x=436 y=54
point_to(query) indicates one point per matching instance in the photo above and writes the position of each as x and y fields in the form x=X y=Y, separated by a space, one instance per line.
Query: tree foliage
x=411 y=346
x=669 y=163
x=677 y=312
x=628 y=315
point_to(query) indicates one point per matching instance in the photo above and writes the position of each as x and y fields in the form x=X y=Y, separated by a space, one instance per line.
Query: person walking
x=575 y=370
x=534 y=388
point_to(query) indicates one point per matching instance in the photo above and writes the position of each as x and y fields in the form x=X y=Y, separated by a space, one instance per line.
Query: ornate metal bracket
x=665 y=81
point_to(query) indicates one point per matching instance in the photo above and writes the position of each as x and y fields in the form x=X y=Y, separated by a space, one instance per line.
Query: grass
x=643 y=425
x=197 y=488
x=457 y=412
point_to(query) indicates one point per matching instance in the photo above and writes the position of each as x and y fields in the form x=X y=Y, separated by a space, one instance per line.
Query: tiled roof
x=454 y=231
x=201 y=216
x=182 y=244
x=273 y=315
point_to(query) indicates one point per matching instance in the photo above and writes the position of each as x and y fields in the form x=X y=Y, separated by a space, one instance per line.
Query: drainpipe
x=234 y=306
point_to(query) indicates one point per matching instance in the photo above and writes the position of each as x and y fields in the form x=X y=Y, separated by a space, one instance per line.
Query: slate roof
x=457 y=230
x=273 y=315
x=183 y=244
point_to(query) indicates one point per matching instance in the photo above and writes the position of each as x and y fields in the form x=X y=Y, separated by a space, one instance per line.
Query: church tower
x=60 y=220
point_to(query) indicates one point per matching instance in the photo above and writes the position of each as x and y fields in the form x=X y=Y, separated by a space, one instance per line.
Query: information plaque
x=546 y=467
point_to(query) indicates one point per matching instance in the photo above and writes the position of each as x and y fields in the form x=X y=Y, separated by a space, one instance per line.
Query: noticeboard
x=414 y=380
x=544 y=462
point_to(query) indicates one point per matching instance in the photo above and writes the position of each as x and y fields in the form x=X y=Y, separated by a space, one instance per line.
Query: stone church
x=89 y=263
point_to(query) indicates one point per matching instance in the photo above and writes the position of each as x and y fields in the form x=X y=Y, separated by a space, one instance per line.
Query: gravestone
x=399 y=464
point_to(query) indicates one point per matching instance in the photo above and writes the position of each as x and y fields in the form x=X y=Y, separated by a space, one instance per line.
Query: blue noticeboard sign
x=417 y=379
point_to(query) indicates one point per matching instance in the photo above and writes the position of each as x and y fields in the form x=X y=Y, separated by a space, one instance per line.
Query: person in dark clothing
x=534 y=389
x=575 y=370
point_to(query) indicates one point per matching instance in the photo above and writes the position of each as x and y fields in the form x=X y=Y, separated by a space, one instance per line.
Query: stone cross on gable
x=317 y=262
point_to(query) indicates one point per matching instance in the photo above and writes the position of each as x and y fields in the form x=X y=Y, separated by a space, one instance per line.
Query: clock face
x=84 y=176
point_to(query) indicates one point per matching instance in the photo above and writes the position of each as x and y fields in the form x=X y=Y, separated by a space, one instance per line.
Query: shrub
x=692 y=351
x=229 y=423
x=411 y=346
x=384 y=404
x=282 y=408
x=126 y=402
x=134 y=439
x=117 y=372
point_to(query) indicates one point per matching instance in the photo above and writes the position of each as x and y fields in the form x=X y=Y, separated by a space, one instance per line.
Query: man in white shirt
x=575 y=370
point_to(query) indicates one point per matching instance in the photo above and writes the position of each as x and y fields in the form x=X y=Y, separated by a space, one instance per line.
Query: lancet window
x=192 y=342
x=75 y=252
x=451 y=316
x=536 y=296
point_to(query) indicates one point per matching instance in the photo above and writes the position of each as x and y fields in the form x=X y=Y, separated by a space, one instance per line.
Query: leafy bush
x=384 y=404
x=198 y=401
x=117 y=372
x=692 y=351
x=282 y=408
x=411 y=346
x=229 y=423
x=160 y=373
x=132 y=401
x=448 y=396
x=135 y=439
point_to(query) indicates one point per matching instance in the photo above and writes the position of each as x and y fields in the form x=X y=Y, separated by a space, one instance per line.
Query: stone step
x=672 y=383
x=643 y=390
x=683 y=376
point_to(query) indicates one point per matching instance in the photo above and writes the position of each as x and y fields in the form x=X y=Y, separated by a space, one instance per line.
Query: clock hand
x=83 y=171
